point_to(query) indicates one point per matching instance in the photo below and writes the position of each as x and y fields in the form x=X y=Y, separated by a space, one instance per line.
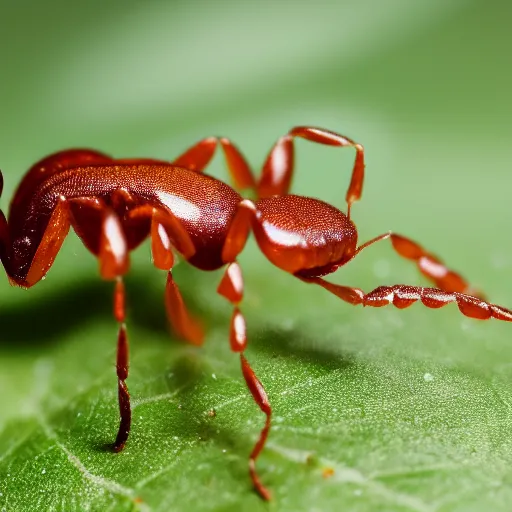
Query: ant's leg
x=183 y=323
x=125 y=412
x=231 y=287
x=163 y=222
x=198 y=157
x=111 y=248
x=114 y=263
x=238 y=230
x=167 y=231
x=402 y=296
x=62 y=217
x=278 y=168
x=46 y=252
x=52 y=240
x=428 y=264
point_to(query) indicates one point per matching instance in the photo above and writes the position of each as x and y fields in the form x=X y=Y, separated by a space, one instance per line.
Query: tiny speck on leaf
x=327 y=472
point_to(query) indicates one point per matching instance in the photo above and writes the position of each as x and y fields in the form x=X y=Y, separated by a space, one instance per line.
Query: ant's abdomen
x=302 y=235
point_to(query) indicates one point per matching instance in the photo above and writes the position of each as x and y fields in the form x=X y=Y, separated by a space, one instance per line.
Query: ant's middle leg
x=167 y=232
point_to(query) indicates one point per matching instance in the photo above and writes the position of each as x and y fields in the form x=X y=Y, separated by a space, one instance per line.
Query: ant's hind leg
x=111 y=248
x=54 y=235
x=125 y=412
x=114 y=263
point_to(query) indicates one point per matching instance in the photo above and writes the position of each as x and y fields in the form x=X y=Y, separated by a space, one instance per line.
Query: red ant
x=114 y=204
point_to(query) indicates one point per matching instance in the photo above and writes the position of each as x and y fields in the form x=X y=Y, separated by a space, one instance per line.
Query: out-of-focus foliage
x=409 y=409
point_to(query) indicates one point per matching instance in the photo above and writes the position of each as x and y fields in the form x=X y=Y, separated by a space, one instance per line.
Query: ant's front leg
x=428 y=264
x=402 y=296
x=232 y=288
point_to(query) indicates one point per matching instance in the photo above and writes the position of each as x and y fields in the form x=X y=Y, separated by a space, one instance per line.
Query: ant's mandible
x=114 y=204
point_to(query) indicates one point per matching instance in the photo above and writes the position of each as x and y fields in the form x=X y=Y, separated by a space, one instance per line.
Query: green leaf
x=373 y=409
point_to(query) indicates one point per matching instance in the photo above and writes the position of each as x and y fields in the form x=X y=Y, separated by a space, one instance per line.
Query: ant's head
x=304 y=236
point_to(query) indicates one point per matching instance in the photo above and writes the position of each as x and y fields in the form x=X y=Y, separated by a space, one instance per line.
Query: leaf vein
x=104 y=483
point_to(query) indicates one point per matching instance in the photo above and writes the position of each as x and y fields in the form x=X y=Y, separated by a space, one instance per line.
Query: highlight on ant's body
x=115 y=204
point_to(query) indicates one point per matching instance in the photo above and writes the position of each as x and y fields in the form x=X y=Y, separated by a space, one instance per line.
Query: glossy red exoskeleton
x=114 y=204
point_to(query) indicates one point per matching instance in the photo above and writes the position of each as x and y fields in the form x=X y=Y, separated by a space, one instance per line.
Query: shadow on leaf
x=65 y=309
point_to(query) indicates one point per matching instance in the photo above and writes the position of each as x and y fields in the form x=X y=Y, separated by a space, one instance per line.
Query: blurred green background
x=411 y=409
